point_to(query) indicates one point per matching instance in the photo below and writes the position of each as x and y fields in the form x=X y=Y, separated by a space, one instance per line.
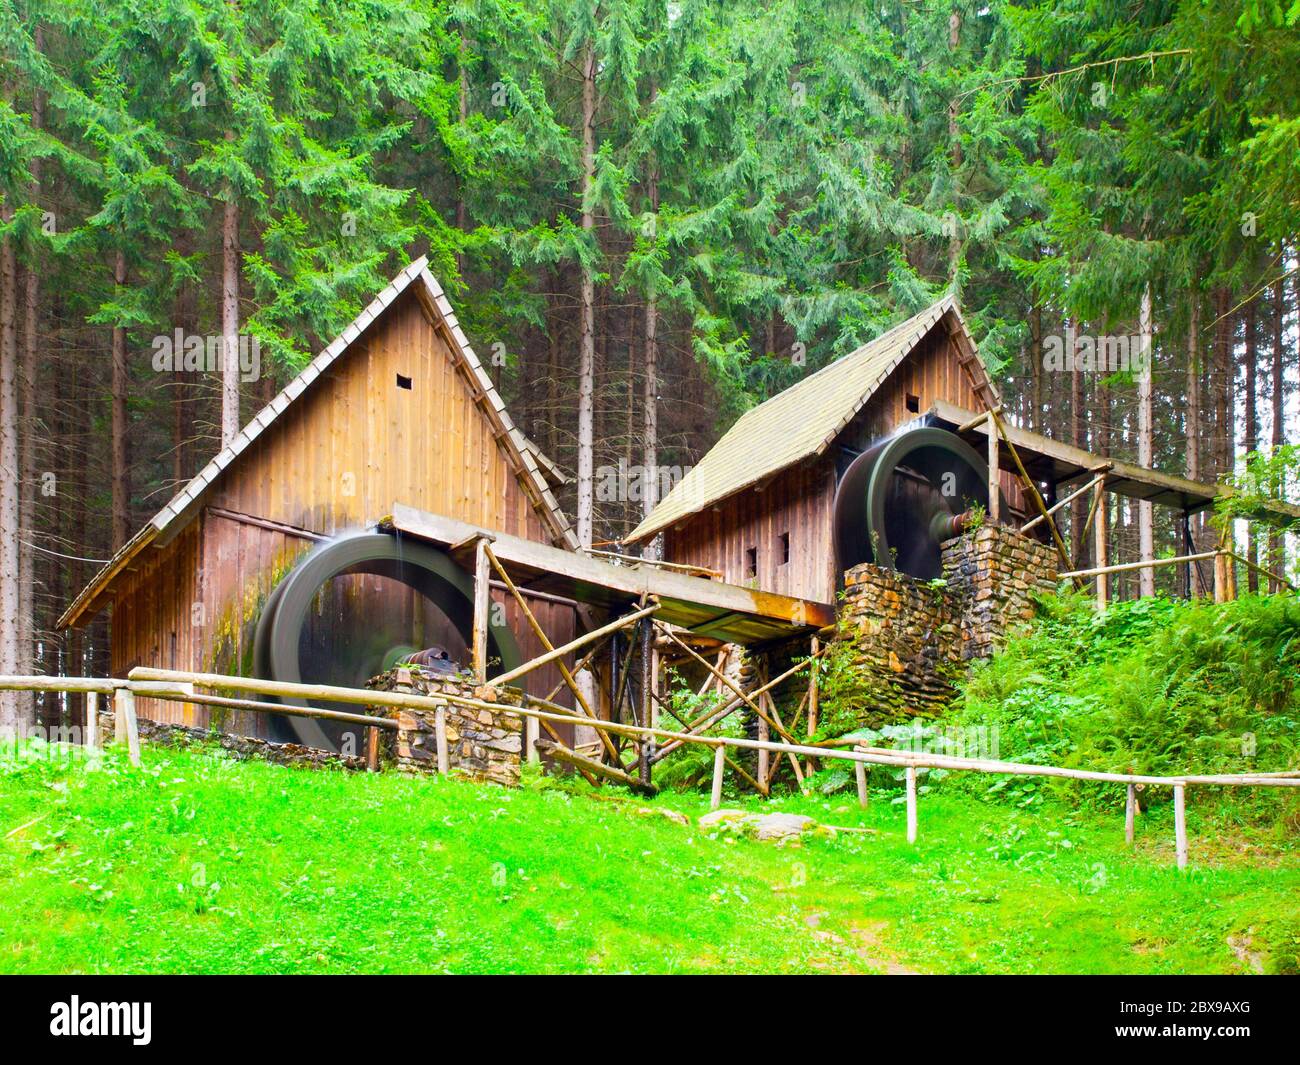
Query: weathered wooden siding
x=336 y=459
x=796 y=502
x=355 y=443
x=799 y=501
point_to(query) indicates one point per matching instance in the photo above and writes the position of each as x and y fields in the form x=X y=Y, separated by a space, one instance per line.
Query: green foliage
x=1264 y=478
x=1150 y=686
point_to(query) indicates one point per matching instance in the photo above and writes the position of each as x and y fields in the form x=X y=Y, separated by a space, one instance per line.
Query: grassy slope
x=195 y=864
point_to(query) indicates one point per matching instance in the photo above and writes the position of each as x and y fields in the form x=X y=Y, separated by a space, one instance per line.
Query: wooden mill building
x=759 y=506
x=394 y=427
x=397 y=409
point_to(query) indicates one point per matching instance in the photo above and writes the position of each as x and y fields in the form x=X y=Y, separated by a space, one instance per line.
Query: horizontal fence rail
x=179 y=686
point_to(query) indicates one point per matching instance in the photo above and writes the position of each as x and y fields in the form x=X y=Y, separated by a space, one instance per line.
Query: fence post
x=1130 y=810
x=532 y=733
x=860 y=772
x=719 y=764
x=911 y=804
x=1180 y=824
x=90 y=735
x=125 y=724
x=440 y=736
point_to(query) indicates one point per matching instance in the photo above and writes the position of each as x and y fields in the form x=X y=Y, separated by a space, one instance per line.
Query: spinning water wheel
x=356 y=606
x=902 y=498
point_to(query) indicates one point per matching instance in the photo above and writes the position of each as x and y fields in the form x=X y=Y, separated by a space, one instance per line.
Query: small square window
x=403 y=382
x=914 y=403
x=783 y=543
x=751 y=562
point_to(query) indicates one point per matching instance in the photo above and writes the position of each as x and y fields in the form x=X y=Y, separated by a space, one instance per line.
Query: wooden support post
x=1180 y=824
x=763 y=756
x=1220 y=577
x=911 y=804
x=1101 y=537
x=440 y=738
x=860 y=771
x=1031 y=489
x=125 y=725
x=995 y=472
x=531 y=736
x=482 y=607
x=646 y=748
x=719 y=764
x=90 y=734
x=814 y=651
x=372 y=750
x=723 y=679
x=1130 y=813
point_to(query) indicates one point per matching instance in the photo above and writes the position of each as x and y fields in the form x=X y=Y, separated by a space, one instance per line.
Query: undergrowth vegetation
x=1152 y=686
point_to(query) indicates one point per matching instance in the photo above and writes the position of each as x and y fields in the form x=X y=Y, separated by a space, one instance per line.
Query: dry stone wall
x=913 y=636
x=481 y=744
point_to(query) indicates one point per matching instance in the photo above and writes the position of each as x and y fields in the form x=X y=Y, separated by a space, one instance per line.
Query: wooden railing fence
x=180 y=686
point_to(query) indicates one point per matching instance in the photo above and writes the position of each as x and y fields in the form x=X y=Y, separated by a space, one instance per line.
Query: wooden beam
x=995 y=478
x=910 y=773
x=482 y=607
x=1130 y=813
x=90 y=734
x=125 y=728
x=1064 y=502
x=681 y=596
x=440 y=740
x=712 y=717
x=572 y=645
x=723 y=678
x=1180 y=824
x=560 y=753
x=719 y=760
x=1146 y=563
x=579 y=698
x=1031 y=488
x=1101 y=541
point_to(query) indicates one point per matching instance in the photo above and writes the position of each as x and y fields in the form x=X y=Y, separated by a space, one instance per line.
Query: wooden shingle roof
x=805 y=419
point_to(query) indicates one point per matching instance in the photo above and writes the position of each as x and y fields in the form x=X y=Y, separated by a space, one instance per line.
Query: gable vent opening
x=403 y=382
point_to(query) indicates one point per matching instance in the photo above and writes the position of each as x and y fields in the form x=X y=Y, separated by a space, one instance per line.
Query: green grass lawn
x=197 y=864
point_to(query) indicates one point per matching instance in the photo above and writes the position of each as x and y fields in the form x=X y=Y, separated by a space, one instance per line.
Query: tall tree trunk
x=1276 y=556
x=1146 y=444
x=1036 y=367
x=462 y=212
x=954 y=151
x=650 y=410
x=1252 y=428
x=27 y=455
x=587 y=338
x=1077 y=436
x=230 y=319
x=1192 y=417
x=118 y=390
x=9 y=507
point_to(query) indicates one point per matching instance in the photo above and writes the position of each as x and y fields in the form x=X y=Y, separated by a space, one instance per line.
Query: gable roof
x=183 y=507
x=805 y=419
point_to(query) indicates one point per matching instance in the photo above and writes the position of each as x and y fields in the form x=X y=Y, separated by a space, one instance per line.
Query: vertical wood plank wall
x=336 y=459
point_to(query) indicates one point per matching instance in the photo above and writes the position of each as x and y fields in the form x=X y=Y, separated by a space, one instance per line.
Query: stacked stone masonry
x=481 y=744
x=240 y=747
x=913 y=636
